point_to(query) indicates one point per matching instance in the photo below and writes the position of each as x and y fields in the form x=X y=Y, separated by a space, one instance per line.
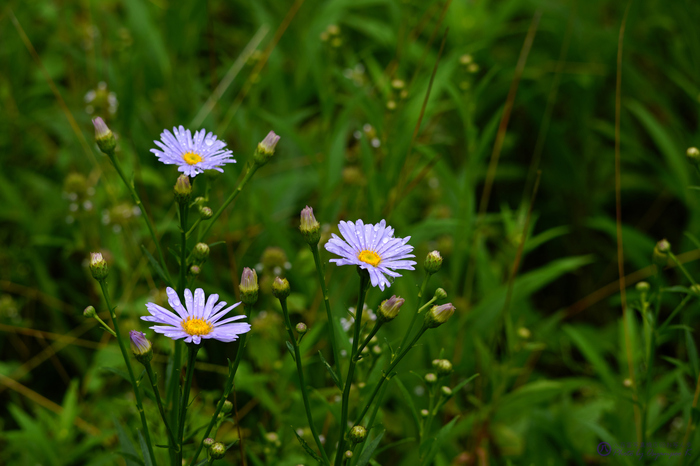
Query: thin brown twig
x=618 y=223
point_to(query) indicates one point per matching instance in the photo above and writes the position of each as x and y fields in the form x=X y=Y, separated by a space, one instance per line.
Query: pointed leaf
x=334 y=376
x=367 y=453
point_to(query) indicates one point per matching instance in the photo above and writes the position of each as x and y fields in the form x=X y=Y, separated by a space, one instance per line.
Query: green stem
x=327 y=302
x=105 y=326
x=252 y=168
x=183 y=247
x=680 y=266
x=172 y=392
x=678 y=308
x=364 y=281
x=194 y=225
x=374 y=331
x=191 y=356
x=125 y=355
x=415 y=314
x=137 y=200
x=300 y=374
x=159 y=402
x=387 y=373
x=371 y=422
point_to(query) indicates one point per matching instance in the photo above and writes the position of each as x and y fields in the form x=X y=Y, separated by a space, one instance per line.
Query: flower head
x=197 y=319
x=249 y=286
x=104 y=136
x=98 y=266
x=309 y=226
x=390 y=308
x=192 y=155
x=373 y=248
x=140 y=346
x=438 y=315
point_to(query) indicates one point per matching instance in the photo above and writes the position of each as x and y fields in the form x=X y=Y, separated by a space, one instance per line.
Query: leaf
x=156 y=266
x=591 y=353
x=119 y=372
x=440 y=437
x=409 y=401
x=128 y=450
x=144 y=449
x=330 y=370
x=306 y=447
x=367 y=453
x=692 y=353
x=291 y=350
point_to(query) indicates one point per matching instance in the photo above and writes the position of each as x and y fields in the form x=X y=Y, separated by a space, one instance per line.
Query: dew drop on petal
x=208 y=141
x=385 y=240
x=376 y=228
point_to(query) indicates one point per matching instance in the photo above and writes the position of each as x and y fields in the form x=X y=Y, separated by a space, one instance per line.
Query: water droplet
x=385 y=240
x=376 y=228
x=208 y=140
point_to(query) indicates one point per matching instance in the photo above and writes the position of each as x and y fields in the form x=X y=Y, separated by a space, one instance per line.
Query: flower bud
x=357 y=434
x=660 y=256
x=195 y=270
x=208 y=442
x=447 y=391
x=217 y=450
x=89 y=312
x=183 y=189
x=642 y=287
x=309 y=226
x=348 y=454
x=693 y=155
x=227 y=407
x=377 y=350
x=273 y=438
x=443 y=367
x=440 y=294
x=301 y=328
x=438 y=315
x=205 y=213
x=524 y=333
x=433 y=262
x=430 y=378
x=389 y=308
x=280 y=288
x=200 y=253
x=98 y=266
x=424 y=412
x=140 y=346
x=249 y=286
x=695 y=289
x=104 y=136
x=266 y=149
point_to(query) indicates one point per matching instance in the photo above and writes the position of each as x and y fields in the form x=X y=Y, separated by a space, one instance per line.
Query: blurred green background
x=344 y=83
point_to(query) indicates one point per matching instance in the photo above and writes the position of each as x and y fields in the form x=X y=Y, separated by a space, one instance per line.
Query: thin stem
x=105 y=326
x=387 y=373
x=137 y=200
x=125 y=355
x=300 y=374
x=172 y=392
x=194 y=225
x=159 y=401
x=370 y=423
x=252 y=168
x=327 y=302
x=183 y=247
x=415 y=314
x=364 y=281
x=678 y=308
x=191 y=356
x=370 y=336
x=690 y=418
x=680 y=266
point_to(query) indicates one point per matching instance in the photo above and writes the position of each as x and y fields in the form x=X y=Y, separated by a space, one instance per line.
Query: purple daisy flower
x=197 y=319
x=373 y=248
x=192 y=155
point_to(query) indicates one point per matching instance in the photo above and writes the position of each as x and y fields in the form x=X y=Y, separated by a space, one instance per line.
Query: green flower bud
x=357 y=434
x=389 y=308
x=440 y=294
x=195 y=270
x=348 y=454
x=249 y=286
x=205 y=213
x=424 y=412
x=643 y=287
x=272 y=438
x=447 y=391
x=301 y=328
x=98 y=266
x=227 y=407
x=104 y=136
x=266 y=149
x=524 y=333
x=693 y=155
x=309 y=226
x=140 y=346
x=438 y=315
x=660 y=256
x=430 y=378
x=183 y=189
x=89 y=312
x=377 y=350
x=280 y=288
x=208 y=442
x=217 y=451
x=443 y=367
x=200 y=252
x=433 y=262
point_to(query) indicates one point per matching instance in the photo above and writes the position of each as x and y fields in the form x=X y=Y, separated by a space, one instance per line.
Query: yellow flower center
x=370 y=257
x=196 y=326
x=191 y=158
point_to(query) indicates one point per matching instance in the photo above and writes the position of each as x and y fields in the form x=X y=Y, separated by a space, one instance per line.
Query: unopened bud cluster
x=443 y=367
